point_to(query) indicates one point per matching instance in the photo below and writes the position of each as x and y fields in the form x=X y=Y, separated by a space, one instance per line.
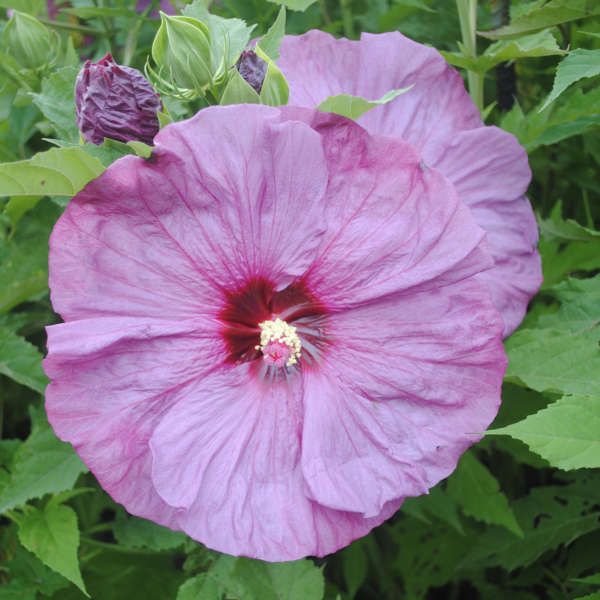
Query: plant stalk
x=467 y=14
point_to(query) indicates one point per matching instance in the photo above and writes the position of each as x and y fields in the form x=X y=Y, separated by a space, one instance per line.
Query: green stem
x=467 y=14
x=326 y=17
x=588 y=212
x=347 y=19
x=70 y=26
x=131 y=43
x=116 y=548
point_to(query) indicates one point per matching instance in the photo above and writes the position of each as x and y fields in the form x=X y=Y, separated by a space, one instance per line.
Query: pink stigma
x=276 y=353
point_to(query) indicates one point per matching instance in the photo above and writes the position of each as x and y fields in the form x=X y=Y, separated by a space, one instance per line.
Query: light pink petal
x=167 y=235
x=487 y=166
x=227 y=457
x=407 y=385
x=393 y=223
x=490 y=172
x=112 y=381
x=317 y=65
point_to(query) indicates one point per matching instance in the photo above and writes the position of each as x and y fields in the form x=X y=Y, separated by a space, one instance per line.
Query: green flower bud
x=29 y=42
x=181 y=50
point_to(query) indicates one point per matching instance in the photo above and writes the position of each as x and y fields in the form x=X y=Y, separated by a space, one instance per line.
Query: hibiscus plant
x=299 y=299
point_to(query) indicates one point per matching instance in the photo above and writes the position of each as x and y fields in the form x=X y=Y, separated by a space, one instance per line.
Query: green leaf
x=113 y=575
x=478 y=494
x=256 y=580
x=271 y=41
x=299 y=580
x=577 y=113
x=300 y=5
x=32 y=7
x=134 y=532
x=547 y=359
x=42 y=465
x=549 y=516
x=355 y=566
x=593 y=579
x=24 y=257
x=550 y=14
x=420 y=4
x=555 y=228
x=560 y=259
x=57 y=102
x=354 y=106
x=579 y=64
x=21 y=361
x=202 y=586
x=29 y=575
x=537 y=44
x=17 y=206
x=580 y=308
x=141 y=149
x=434 y=506
x=57 y=172
x=426 y=556
x=566 y=433
x=52 y=535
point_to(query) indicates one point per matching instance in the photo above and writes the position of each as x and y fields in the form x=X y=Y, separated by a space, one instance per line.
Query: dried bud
x=252 y=68
x=28 y=41
x=115 y=102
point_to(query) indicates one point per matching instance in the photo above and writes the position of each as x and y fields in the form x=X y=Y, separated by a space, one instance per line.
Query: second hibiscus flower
x=487 y=166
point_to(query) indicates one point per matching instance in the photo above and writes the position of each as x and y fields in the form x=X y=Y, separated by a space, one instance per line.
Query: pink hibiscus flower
x=487 y=166
x=273 y=332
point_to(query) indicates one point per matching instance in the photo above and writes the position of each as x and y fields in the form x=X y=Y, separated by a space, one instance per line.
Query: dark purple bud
x=252 y=68
x=115 y=102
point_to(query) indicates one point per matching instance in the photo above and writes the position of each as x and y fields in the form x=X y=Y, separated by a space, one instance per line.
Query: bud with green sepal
x=32 y=45
x=181 y=52
x=256 y=78
x=274 y=90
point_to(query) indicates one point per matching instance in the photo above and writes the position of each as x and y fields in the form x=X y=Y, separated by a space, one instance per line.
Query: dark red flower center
x=258 y=302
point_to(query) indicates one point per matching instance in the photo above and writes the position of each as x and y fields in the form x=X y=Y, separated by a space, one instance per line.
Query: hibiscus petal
x=228 y=457
x=317 y=65
x=399 y=397
x=489 y=169
x=184 y=229
x=112 y=380
x=259 y=191
x=393 y=224
x=487 y=166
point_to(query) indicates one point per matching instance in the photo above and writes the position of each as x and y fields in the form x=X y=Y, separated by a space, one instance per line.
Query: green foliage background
x=520 y=516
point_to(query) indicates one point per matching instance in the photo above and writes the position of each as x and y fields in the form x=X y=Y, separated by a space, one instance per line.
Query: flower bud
x=252 y=68
x=181 y=50
x=116 y=102
x=28 y=41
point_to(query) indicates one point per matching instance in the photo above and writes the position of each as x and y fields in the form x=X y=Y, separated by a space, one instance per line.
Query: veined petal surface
x=113 y=378
x=250 y=219
x=228 y=458
x=439 y=119
x=401 y=395
x=168 y=234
